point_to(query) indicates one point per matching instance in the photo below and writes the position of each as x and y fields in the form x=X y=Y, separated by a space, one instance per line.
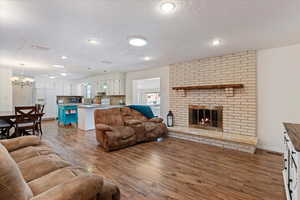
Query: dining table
x=10 y=116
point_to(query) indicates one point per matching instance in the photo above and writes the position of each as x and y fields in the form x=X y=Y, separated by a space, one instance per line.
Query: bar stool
x=4 y=129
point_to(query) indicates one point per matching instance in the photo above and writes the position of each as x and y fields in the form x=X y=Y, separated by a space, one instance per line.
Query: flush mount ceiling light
x=63 y=74
x=93 y=41
x=167 y=7
x=64 y=57
x=147 y=58
x=52 y=77
x=216 y=42
x=59 y=66
x=137 y=41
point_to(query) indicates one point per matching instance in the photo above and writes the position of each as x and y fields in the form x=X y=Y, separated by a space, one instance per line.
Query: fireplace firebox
x=206 y=117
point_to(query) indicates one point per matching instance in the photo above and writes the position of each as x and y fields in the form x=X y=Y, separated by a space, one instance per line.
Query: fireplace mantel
x=227 y=87
x=199 y=87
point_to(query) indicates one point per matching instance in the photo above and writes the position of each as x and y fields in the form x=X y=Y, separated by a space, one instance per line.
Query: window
x=152 y=98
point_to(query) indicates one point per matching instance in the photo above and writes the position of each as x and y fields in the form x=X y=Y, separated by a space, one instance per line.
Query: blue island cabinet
x=67 y=114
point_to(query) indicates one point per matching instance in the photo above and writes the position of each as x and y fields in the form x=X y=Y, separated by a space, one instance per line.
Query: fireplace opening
x=206 y=117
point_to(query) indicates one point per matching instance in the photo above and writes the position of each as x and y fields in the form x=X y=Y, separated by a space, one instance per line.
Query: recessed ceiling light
x=59 y=66
x=63 y=74
x=92 y=41
x=64 y=57
x=147 y=58
x=52 y=77
x=167 y=7
x=216 y=42
x=137 y=41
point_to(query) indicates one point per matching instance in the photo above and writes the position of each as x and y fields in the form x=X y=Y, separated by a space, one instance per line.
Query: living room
x=162 y=99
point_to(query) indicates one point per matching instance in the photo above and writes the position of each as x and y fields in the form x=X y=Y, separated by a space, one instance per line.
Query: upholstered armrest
x=103 y=127
x=20 y=142
x=132 y=122
x=109 y=191
x=156 y=120
x=80 y=188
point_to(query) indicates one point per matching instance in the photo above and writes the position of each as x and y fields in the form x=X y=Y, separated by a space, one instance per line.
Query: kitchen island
x=86 y=115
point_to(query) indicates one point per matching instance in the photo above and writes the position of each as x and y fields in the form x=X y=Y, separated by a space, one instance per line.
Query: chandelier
x=22 y=81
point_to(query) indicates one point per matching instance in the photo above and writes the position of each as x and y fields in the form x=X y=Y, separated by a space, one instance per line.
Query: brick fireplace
x=225 y=112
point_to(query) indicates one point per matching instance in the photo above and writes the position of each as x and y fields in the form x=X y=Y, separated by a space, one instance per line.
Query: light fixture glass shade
x=167 y=7
x=22 y=81
x=137 y=41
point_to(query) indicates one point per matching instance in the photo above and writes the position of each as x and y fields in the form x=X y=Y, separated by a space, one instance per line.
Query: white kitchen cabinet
x=46 y=91
x=67 y=88
x=111 y=87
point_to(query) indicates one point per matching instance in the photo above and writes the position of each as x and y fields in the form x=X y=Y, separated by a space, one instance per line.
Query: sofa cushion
x=39 y=166
x=20 y=142
x=154 y=130
x=120 y=136
x=156 y=120
x=53 y=179
x=130 y=114
x=30 y=152
x=111 y=117
x=103 y=127
x=150 y=126
x=12 y=183
x=139 y=130
x=82 y=187
x=132 y=122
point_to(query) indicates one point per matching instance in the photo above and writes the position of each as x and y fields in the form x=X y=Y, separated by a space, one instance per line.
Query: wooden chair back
x=25 y=114
x=40 y=110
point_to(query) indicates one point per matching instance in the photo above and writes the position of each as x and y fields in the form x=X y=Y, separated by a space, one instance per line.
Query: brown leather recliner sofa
x=30 y=170
x=117 y=128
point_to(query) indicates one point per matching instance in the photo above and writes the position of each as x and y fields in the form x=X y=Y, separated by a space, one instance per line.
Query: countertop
x=99 y=106
x=69 y=104
x=293 y=131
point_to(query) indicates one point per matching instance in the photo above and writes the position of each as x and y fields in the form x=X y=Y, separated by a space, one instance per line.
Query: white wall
x=5 y=89
x=22 y=95
x=162 y=73
x=278 y=74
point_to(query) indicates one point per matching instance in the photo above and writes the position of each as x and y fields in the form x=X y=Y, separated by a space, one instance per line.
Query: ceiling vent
x=39 y=47
x=106 y=62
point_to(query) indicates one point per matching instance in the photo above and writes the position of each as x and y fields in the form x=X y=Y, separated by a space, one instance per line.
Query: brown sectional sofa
x=30 y=170
x=117 y=128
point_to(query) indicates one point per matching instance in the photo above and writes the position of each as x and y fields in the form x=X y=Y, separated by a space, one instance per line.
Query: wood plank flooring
x=173 y=169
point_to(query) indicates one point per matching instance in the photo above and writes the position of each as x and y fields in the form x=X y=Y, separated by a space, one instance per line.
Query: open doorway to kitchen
x=147 y=92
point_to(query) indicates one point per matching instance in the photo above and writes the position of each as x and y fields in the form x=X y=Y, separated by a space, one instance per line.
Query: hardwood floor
x=173 y=169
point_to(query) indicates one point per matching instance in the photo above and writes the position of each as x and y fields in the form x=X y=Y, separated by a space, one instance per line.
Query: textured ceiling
x=64 y=26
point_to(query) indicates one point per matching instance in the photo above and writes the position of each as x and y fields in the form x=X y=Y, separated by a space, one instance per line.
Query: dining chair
x=4 y=129
x=40 y=110
x=25 y=120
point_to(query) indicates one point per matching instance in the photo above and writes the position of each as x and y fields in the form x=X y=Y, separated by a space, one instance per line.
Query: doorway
x=147 y=92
